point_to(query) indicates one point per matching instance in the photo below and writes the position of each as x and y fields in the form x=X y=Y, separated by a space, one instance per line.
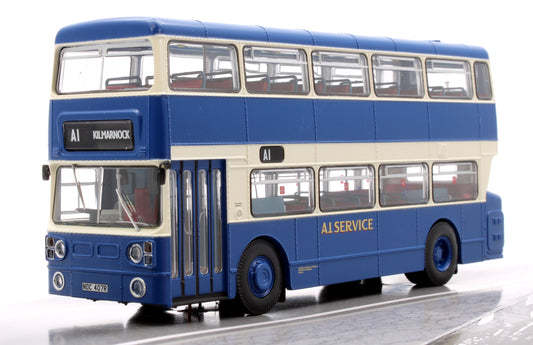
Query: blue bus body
x=316 y=249
x=261 y=121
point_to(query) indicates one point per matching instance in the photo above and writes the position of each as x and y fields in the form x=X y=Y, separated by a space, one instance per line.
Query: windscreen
x=107 y=196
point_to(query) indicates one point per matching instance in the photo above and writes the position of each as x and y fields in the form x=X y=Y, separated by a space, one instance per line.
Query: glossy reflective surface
x=486 y=302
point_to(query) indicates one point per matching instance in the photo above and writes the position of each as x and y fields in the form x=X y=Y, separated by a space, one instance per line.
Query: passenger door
x=200 y=227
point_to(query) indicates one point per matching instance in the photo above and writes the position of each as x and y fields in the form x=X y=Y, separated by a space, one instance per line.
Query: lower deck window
x=405 y=184
x=454 y=181
x=277 y=192
x=346 y=188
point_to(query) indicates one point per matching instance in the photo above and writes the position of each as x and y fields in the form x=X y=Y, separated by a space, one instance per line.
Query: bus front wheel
x=440 y=257
x=259 y=277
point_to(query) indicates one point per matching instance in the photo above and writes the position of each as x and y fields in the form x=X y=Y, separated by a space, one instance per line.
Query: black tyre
x=372 y=286
x=440 y=257
x=231 y=308
x=418 y=278
x=259 y=277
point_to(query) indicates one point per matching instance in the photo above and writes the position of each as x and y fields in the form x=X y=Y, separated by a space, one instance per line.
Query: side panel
x=345 y=247
x=200 y=120
x=487 y=118
x=454 y=121
x=207 y=120
x=348 y=247
x=280 y=120
x=401 y=121
x=399 y=247
x=473 y=233
x=305 y=273
x=345 y=121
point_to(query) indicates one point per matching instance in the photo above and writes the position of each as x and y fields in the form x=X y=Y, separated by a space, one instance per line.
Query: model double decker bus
x=194 y=162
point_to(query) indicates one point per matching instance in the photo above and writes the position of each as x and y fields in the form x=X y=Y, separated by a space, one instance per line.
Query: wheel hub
x=261 y=276
x=442 y=253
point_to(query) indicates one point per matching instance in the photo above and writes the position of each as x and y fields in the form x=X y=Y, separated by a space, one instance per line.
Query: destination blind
x=115 y=135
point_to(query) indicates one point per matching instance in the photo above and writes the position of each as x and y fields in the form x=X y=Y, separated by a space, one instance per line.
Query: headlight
x=135 y=253
x=138 y=253
x=58 y=281
x=137 y=287
x=60 y=249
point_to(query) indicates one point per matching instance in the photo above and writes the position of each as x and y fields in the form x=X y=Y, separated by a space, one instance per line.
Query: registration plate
x=92 y=287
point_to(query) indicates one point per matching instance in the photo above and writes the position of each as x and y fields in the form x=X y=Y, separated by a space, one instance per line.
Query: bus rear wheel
x=259 y=277
x=440 y=257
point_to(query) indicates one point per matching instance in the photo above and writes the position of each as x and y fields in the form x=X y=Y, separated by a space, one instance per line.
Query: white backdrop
x=28 y=31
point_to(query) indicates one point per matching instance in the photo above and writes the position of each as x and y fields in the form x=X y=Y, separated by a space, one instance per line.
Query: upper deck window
x=340 y=74
x=449 y=79
x=396 y=76
x=272 y=70
x=106 y=67
x=203 y=67
x=483 y=89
